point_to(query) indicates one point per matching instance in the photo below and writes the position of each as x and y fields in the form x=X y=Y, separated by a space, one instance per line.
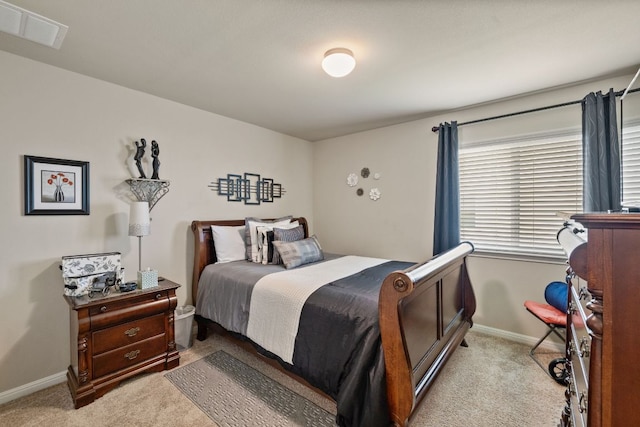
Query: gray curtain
x=446 y=233
x=601 y=153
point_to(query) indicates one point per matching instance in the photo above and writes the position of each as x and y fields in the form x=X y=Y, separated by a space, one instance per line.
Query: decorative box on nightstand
x=147 y=279
x=120 y=335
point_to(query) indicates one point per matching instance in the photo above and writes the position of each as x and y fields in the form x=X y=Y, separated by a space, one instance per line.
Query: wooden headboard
x=204 y=252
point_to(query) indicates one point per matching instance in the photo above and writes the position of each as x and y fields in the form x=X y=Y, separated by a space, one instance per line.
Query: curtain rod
x=630 y=84
x=533 y=110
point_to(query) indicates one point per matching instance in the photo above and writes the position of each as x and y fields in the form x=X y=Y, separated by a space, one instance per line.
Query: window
x=631 y=164
x=511 y=191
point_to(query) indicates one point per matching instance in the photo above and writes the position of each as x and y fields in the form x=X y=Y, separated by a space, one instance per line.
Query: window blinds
x=511 y=192
x=631 y=165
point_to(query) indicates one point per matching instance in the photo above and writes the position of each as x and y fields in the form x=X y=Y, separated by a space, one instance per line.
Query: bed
x=374 y=341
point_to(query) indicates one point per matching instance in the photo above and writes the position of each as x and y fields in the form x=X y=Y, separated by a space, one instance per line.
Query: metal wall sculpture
x=249 y=188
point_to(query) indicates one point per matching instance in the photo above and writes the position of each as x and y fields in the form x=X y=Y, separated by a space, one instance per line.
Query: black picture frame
x=55 y=186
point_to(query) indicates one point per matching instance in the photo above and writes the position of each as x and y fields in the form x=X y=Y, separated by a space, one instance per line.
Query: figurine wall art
x=139 y=159
x=155 y=152
x=56 y=186
x=140 y=146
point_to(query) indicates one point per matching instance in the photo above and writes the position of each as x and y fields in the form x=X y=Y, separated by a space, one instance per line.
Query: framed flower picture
x=55 y=186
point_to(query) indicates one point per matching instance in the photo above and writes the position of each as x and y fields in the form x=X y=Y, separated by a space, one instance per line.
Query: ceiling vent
x=28 y=25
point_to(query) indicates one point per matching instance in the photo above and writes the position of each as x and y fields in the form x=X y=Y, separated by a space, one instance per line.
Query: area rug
x=233 y=394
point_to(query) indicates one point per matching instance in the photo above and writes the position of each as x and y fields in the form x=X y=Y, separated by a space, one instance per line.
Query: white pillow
x=228 y=242
x=263 y=239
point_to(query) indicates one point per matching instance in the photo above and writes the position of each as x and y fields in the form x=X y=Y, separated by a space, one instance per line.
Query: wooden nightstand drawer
x=111 y=312
x=127 y=333
x=117 y=336
x=112 y=361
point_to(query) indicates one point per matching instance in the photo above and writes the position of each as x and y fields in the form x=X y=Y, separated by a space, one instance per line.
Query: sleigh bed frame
x=424 y=314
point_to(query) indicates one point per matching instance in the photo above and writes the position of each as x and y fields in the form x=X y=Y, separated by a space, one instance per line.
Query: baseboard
x=32 y=387
x=524 y=339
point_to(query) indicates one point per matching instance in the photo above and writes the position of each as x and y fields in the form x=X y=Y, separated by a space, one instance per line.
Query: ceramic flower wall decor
x=352 y=181
x=374 y=194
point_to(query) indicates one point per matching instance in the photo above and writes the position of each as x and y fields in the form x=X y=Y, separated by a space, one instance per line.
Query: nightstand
x=120 y=335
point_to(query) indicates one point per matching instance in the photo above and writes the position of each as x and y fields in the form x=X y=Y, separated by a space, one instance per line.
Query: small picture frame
x=55 y=186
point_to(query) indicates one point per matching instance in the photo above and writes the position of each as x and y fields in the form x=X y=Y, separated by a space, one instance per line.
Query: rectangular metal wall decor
x=249 y=188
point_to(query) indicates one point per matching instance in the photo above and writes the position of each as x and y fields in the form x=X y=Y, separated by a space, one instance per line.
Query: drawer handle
x=585 y=349
x=571 y=387
x=572 y=308
x=132 y=332
x=582 y=403
x=103 y=308
x=132 y=354
x=158 y=296
x=583 y=293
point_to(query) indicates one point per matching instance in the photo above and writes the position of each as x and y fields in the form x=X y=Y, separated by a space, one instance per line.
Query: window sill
x=520 y=257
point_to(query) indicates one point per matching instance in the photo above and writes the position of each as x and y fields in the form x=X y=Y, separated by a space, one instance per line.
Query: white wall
x=50 y=112
x=400 y=224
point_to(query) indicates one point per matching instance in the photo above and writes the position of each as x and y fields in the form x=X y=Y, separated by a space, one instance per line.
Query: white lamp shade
x=338 y=62
x=139 y=221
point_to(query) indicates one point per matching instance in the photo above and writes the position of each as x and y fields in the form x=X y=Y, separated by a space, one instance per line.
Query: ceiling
x=259 y=61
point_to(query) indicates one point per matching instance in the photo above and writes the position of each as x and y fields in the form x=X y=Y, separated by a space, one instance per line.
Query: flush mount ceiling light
x=28 y=25
x=338 y=62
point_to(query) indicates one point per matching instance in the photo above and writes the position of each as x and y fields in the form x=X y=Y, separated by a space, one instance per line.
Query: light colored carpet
x=491 y=383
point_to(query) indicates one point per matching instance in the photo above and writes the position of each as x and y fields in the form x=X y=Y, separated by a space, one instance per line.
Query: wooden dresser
x=603 y=339
x=117 y=336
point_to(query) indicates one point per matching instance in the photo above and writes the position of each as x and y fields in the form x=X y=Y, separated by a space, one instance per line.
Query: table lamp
x=139 y=225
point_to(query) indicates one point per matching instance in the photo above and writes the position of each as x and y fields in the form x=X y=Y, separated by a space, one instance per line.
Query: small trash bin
x=184 y=326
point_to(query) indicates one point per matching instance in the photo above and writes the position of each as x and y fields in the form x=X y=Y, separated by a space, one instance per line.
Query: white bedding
x=277 y=300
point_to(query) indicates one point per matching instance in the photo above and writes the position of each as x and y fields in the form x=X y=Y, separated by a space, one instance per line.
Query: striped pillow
x=286 y=235
x=300 y=252
x=251 y=237
x=265 y=241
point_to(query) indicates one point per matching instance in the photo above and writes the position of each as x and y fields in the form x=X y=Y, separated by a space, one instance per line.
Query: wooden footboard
x=425 y=313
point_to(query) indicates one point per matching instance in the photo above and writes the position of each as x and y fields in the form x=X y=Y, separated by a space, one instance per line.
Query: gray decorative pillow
x=286 y=235
x=300 y=252
x=248 y=230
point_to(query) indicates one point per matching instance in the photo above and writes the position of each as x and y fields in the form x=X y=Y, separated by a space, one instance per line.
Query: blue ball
x=556 y=294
